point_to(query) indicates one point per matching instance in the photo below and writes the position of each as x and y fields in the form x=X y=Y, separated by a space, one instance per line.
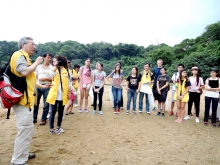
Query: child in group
x=71 y=98
x=133 y=88
x=212 y=86
x=182 y=96
x=195 y=92
x=162 y=90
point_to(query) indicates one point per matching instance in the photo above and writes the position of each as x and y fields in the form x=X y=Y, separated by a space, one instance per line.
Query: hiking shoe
x=94 y=112
x=127 y=112
x=100 y=112
x=80 y=110
x=158 y=114
x=60 y=130
x=187 y=117
x=86 y=111
x=197 y=120
x=154 y=108
x=54 y=132
x=163 y=115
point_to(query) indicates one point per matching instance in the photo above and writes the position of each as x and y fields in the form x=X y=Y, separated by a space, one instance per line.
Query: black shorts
x=161 y=98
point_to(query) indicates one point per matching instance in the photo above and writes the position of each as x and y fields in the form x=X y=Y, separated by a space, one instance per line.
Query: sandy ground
x=117 y=139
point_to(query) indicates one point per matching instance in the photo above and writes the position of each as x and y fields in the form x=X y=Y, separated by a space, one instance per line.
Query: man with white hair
x=21 y=66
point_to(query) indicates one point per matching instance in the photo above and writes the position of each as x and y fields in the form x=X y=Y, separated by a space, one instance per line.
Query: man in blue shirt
x=156 y=73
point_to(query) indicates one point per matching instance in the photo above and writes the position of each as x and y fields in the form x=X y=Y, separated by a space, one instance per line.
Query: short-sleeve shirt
x=162 y=81
x=156 y=73
x=175 y=78
x=194 y=84
x=116 y=79
x=213 y=84
x=43 y=73
x=98 y=77
x=133 y=82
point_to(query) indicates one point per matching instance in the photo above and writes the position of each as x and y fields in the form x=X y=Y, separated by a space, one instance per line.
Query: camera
x=59 y=63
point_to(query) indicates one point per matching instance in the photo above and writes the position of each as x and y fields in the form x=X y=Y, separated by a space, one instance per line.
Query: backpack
x=12 y=87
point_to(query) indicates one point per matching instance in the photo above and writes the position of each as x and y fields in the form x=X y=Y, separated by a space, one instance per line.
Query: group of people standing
x=59 y=85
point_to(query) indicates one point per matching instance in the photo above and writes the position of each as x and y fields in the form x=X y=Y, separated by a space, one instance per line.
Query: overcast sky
x=142 y=22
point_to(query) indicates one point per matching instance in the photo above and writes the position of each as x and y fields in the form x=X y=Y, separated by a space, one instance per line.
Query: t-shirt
x=175 y=78
x=162 y=81
x=194 y=85
x=133 y=82
x=42 y=72
x=116 y=79
x=86 y=76
x=98 y=77
x=156 y=73
x=213 y=94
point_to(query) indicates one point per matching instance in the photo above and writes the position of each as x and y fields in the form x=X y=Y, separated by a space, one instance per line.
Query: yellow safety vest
x=52 y=95
x=30 y=79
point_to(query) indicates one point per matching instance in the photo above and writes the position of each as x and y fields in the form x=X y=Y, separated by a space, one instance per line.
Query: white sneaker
x=187 y=117
x=48 y=116
x=197 y=120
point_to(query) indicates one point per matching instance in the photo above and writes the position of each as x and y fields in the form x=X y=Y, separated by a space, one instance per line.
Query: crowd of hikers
x=64 y=88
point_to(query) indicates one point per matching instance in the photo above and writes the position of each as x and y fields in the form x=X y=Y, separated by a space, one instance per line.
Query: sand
x=117 y=139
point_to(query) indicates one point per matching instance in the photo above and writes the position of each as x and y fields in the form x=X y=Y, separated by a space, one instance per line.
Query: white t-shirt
x=213 y=94
x=174 y=78
x=43 y=73
x=194 y=87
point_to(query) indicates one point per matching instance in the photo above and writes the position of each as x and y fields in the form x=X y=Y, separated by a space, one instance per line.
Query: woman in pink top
x=85 y=74
x=195 y=91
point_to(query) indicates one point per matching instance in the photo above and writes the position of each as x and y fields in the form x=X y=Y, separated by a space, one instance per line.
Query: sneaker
x=66 y=113
x=187 y=117
x=191 y=114
x=60 y=130
x=48 y=116
x=140 y=111
x=214 y=124
x=148 y=112
x=35 y=121
x=127 y=112
x=122 y=108
x=100 y=112
x=93 y=112
x=118 y=111
x=80 y=110
x=158 y=114
x=163 y=115
x=86 y=111
x=54 y=132
x=76 y=105
x=161 y=109
x=205 y=123
x=134 y=112
x=197 y=120
x=154 y=108
x=31 y=155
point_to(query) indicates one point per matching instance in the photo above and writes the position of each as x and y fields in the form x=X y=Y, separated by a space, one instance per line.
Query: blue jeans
x=117 y=92
x=58 y=106
x=41 y=92
x=132 y=94
x=141 y=96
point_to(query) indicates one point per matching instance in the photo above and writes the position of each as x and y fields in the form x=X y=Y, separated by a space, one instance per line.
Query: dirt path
x=120 y=139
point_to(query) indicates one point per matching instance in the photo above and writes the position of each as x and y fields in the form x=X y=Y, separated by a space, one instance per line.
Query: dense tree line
x=203 y=51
